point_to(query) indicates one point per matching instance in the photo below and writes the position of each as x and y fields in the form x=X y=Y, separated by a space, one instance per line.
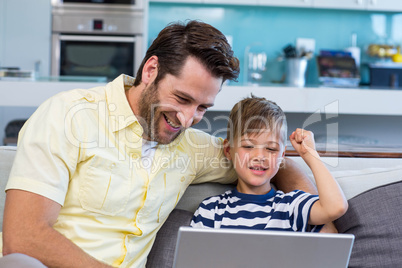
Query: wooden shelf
x=360 y=154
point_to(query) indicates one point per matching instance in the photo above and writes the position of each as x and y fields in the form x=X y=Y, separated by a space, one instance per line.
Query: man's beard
x=150 y=115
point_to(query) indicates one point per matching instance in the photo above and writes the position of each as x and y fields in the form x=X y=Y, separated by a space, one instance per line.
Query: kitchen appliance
x=132 y=4
x=386 y=74
x=98 y=38
x=337 y=68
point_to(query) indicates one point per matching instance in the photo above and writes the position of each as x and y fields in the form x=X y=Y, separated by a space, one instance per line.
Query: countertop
x=309 y=99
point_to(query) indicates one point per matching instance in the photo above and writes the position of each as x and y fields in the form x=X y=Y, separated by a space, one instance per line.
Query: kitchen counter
x=363 y=101
x=33 y=93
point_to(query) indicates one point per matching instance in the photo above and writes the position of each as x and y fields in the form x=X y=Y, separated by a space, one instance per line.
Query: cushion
x=7 y=154
x=357 y=175
x=20 y=260
x=162 y=252
x=375 y=217
x=354 y=182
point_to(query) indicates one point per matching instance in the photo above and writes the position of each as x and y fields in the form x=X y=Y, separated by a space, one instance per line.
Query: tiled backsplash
x=275 y=27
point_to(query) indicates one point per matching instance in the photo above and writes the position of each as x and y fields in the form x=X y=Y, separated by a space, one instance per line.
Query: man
x=98 y=171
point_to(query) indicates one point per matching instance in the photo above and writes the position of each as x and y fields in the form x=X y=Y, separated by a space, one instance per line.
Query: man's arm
x=28 y=229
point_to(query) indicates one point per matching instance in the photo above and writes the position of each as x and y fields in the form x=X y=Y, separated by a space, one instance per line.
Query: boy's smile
x=258 y=169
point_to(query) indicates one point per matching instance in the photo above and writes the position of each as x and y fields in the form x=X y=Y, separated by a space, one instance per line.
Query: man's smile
x=170 y=123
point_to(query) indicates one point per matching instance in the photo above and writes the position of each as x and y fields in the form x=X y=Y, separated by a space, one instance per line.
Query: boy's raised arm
x=332 y=203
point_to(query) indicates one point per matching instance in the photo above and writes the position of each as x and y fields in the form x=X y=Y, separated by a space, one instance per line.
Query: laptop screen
x=198 y=248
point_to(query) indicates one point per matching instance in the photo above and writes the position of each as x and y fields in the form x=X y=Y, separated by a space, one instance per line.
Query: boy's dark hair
x=178 y=41
x=253 y=115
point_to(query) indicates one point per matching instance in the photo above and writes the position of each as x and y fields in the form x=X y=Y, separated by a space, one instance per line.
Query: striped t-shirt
x=272 y=211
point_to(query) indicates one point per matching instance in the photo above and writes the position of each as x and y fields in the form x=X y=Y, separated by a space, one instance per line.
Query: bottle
x=394 y=81
x=354 y=50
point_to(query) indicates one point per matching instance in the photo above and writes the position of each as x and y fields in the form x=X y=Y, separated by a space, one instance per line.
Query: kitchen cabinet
x=178 y=1
x=341 y=4
x=25 y=31
x=372 y=5
x=222 y=2
x=231 y=2
x=384 y=5
x=287 y=3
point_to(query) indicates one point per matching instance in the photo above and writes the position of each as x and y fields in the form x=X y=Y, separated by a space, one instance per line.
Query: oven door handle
x=97 y=38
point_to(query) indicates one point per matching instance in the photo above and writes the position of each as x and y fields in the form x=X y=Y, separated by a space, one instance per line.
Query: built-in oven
x=132 y=4
x=101 y=39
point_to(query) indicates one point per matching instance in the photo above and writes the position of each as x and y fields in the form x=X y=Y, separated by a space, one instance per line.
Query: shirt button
x=182 y=179
x=89 y=97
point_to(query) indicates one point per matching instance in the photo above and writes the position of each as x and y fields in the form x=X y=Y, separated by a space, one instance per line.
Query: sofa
x=373 y=187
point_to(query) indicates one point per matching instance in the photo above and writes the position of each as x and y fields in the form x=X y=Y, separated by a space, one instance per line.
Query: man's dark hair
x=179 y=40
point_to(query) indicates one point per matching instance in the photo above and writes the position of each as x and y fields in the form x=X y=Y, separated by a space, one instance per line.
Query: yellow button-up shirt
x=82 y=149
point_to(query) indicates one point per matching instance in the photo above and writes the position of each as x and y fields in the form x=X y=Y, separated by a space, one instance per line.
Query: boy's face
x=256 y=159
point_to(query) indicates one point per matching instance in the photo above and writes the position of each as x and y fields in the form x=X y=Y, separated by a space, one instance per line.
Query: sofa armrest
x=374 y=218
x=7 y=155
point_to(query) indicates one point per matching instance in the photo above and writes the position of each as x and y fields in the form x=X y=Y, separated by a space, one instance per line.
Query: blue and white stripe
x=272 y=211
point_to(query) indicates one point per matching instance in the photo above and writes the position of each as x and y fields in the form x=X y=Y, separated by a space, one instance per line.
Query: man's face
x=177 y=102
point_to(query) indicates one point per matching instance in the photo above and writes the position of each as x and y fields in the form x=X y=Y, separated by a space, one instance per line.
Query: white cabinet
x=384 y=5
x=178 y=1
x=25 y=34
x=231 y=2
x=287 y=3
x=341 y=4
x=374 y=5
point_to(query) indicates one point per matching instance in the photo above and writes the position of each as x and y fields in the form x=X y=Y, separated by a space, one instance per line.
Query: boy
x=255 y=145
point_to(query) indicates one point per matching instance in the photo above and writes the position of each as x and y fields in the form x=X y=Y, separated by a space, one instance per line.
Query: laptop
x=201 y=248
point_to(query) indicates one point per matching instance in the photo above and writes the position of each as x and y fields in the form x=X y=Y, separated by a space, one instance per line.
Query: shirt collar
x=254 y=198
x=120 y=113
